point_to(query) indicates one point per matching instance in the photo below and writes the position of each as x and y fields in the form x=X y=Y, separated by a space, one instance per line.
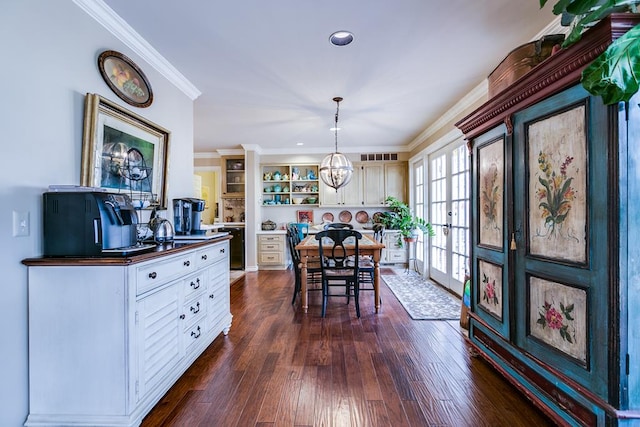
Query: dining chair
x=338 y=269
x=367 y=264
x=314 y=276
x=303 y=229
x=338 y=226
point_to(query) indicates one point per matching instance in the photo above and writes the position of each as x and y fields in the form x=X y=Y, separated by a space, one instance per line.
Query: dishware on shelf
x=297 y=200
x=311 y=200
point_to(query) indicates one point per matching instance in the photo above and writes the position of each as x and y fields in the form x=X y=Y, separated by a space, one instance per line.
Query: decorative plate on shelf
x=345 y=216
x=362 y=217
x=377 y=217
x=327 y=217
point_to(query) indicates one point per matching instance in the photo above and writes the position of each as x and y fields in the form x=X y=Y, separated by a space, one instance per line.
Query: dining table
x=367 y=246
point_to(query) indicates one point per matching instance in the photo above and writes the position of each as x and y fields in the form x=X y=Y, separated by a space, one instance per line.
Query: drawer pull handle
x=222 y=250
x=204 y=257
x=153 y=275
x=212 y=296
x=182 y=316
x=196 y=284
x=187 y=263
x=196 y=335
x=196 y=309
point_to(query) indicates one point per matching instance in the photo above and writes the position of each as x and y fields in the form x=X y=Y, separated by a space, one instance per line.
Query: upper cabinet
x=290 y=185
x=370 y=185
x=233 y=177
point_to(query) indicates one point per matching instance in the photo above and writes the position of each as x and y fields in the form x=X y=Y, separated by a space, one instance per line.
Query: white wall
x=49 y=53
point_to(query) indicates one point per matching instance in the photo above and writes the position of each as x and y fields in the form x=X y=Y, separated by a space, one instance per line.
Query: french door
x=449 y=214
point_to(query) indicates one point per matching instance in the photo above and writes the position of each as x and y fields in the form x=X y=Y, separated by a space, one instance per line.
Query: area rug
x=422 y=299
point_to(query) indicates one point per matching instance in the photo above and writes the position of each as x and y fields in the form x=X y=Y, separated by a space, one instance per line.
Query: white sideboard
x=109 y=337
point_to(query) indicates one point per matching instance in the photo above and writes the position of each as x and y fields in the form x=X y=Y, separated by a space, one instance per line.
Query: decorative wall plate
x=362 y=217
x=125 y=78
x=327 y=217
x=345 y=216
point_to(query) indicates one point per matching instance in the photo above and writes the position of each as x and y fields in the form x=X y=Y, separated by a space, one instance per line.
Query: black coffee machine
x=197 y=207
x=187 y=216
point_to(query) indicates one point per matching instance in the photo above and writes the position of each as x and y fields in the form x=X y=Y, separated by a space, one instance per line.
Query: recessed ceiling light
x=341 y=38
x=300 y=143
x=334 y=129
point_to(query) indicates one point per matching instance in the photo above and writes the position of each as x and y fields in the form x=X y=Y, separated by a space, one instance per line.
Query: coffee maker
x=182 y=216
x=197 y=207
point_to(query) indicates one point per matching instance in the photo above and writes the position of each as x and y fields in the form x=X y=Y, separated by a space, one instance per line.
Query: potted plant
x=615 y=74
x=402 y=219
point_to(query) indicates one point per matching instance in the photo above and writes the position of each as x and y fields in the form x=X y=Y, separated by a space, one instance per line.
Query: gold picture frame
x=124 y=152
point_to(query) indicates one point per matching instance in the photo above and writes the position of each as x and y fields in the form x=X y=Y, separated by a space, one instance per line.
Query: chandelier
x=336 y=169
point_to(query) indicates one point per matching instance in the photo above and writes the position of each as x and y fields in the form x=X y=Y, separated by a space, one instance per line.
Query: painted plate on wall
x=345 y=216
x=362 y=217
x=377 y=217
x=327 y=217
x=125 y=78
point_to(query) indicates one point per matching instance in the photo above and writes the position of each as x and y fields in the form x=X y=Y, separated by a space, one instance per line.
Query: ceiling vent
x=378 y=157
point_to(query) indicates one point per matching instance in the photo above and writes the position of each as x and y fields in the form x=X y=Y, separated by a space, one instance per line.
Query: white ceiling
x=267 y=72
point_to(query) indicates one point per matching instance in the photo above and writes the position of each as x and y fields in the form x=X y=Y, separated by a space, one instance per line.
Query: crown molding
x=230 y=152
x=117 y=26
x=454 y=113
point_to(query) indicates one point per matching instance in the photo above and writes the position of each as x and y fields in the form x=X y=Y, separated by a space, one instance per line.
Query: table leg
x=303 y=283
x=376 y=284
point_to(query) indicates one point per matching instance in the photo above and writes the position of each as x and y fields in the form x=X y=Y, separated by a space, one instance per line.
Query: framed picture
x=490 y=192
x=125 y=78
x=490 y=289
x=305 y=216
x=558 y=317
x=123 y=152
x=557 y=189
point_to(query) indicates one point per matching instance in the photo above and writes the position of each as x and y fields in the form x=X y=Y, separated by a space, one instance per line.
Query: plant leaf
x=615 y=74
x=580 y=7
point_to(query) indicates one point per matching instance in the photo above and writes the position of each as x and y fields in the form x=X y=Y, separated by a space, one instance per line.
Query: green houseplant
x=615 y=74
x=402 y=219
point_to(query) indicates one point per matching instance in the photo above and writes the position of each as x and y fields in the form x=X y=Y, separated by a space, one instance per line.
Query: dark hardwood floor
x=280 y=367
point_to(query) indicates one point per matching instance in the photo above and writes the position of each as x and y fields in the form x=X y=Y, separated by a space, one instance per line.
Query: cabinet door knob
x=212 y=296
x=204 y=257
x=182 y=316
x=153 y=275
x=187 y=263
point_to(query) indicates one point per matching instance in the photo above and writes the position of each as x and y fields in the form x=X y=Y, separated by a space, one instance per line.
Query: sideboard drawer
x=271 y=258
x=156 y=273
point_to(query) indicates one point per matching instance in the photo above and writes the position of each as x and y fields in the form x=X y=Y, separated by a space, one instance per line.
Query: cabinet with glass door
x=233 y=177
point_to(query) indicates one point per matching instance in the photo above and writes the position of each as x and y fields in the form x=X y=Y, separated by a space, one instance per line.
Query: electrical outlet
x=20 y=224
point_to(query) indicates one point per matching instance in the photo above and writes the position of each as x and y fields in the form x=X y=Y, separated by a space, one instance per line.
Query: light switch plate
x=20 y=224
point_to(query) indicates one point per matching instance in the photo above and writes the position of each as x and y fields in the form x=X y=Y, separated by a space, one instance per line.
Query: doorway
x=449 y=183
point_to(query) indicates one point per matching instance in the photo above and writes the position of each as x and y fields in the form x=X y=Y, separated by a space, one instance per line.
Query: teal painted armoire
x=555 y=246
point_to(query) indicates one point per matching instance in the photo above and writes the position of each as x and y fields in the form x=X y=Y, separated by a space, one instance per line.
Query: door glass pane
x=439 y=212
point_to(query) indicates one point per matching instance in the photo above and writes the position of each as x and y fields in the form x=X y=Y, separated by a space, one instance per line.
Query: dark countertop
x=161 y=249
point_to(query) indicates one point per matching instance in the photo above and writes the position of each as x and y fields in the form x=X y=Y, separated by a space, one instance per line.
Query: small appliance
x=182 y=209
x=197 y=207
x=89 y=223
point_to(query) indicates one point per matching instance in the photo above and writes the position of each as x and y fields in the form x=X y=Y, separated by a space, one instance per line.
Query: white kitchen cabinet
x=395 y=180
x=393 y=252
x=370 y=185
x=109 y=336
x=373 y=184
x=272 y=251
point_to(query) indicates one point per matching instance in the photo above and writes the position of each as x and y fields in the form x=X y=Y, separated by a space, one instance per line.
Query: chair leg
x=356 y=297
x=325 y=297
